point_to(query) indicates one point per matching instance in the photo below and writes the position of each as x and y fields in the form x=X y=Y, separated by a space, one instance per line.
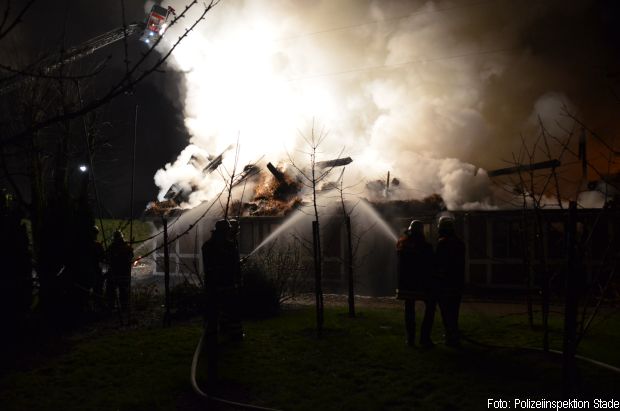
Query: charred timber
x=162 y=208
x=173 y=192
x=276 y=173
x=339 y=162
x=215 y=163
x=526 y=167
x=178 y=194
x=248 y=171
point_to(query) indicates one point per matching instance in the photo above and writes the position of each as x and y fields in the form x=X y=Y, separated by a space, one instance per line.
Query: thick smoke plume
x=428 y=90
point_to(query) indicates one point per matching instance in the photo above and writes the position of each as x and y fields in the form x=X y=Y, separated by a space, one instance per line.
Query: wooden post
x=166 y=272
x=350 y=267
x=570 y=307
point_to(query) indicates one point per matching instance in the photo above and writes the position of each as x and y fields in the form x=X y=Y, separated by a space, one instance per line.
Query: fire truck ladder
x=53 y=62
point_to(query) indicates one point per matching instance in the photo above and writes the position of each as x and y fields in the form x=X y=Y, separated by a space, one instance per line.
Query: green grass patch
x=141 y=230
x=363 y=363
x=600 y=342
x=138 y=370
x=359 y=364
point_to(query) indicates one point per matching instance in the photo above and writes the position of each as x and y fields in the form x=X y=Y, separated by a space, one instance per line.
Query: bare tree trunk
x=311 y=180
x=570 y=308
x=231 y=183
x=350 y=267
x=318 y=263
x=545 y=279
x=528 y=255
x=318 y=289
x=166 y=273
x=37 y=192
x=527 y=265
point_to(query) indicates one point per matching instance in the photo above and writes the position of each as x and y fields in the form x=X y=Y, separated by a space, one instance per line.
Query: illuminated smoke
x=425 y=92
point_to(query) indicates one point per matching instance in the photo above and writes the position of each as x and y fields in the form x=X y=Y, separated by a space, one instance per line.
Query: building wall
x=501 y=246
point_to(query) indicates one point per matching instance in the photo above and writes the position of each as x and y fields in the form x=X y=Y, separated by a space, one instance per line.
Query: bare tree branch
x=10 y=26
x=122 y=86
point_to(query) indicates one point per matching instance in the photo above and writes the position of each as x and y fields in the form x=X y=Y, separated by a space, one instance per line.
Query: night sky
x=161 y=133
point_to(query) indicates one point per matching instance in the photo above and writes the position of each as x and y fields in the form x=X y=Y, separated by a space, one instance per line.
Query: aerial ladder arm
x=89 y=47
x=50 y=63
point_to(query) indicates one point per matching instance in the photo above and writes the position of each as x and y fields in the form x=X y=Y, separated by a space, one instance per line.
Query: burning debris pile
x=161 y=207
x=276 y=193
x=276 y=190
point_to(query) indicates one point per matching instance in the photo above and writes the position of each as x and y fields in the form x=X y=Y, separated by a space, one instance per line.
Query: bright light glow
x=83 y=168
x=241 y=82
x=241 y=85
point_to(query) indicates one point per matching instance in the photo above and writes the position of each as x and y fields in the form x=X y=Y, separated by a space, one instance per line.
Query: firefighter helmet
x=222 y=226
x=234 y=225
x=445 y=225
x=416 y=227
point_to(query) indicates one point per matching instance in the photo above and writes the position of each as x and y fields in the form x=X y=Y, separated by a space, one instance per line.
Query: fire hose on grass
x=206 y=396
x=202 y=394
x=194 y=366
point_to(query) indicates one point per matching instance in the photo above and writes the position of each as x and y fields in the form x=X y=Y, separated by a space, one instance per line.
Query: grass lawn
x=360 y=364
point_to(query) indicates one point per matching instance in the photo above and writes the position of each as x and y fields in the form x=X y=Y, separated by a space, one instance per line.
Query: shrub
x=284 y=267
x=144 y=296
x=259 y=294
x=188 y=300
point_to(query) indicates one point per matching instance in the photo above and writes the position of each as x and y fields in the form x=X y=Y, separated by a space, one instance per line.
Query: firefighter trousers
x=430 y=305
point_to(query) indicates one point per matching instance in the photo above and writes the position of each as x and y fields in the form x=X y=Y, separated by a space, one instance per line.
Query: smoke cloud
x=428 y=90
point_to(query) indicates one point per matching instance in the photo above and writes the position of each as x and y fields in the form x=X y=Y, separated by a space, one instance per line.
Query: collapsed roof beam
x=276 y=173
x=339 y=162
x=525 y=167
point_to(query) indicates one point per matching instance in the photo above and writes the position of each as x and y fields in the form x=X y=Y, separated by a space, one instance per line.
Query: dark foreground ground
x=360 y=363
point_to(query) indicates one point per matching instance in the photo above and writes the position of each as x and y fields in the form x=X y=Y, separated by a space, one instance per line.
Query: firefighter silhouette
x=222 y=280
x=450 y=266
x=222 y=271
x=415 y=281
x=118 y=276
